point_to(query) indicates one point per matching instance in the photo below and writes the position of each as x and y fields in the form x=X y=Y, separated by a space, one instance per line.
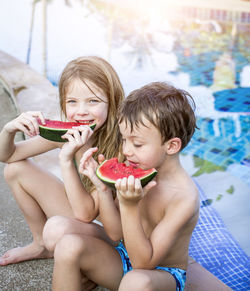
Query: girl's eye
x=137 y=145
x=93 y=101
x=70 y=101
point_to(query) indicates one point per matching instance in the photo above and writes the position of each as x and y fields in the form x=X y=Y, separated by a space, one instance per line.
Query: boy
x=156 y=122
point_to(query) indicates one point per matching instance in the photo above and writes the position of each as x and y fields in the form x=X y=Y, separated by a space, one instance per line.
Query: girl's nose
x=82 y=109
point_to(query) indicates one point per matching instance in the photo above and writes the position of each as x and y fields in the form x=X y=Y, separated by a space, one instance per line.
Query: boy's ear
x=173 y=146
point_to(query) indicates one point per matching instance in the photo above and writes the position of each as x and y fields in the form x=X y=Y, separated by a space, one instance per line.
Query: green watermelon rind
x=54 y=134
x=111 y=183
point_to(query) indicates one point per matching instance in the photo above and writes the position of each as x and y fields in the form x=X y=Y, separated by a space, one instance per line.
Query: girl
x=89 y=90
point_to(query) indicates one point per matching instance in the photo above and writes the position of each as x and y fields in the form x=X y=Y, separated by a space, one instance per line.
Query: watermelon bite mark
x=111 y=170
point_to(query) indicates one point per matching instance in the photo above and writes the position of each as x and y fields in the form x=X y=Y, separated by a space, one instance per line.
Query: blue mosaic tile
x=224 y=150
x=225 y=102
x=215 y=150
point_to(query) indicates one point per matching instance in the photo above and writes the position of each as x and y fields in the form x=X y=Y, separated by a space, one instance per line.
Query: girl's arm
x=108 y=211
x=26 y=123
x=84 y=205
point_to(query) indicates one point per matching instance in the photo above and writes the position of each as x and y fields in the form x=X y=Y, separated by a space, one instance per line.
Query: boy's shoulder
x=178 y=196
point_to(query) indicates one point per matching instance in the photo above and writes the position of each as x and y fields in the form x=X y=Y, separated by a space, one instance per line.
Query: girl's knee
x=55 y=228
x=69 y=248
x=11 y=170
x=136 y=280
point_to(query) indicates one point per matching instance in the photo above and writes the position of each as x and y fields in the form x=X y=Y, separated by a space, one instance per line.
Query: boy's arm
x=108 y=211
x=147 y=252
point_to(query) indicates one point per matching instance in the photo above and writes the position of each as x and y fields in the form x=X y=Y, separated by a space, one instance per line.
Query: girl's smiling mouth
x=85 y=121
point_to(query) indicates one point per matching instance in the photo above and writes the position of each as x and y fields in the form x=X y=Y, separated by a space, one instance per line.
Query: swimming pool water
x=223 y=137
x=222 y=150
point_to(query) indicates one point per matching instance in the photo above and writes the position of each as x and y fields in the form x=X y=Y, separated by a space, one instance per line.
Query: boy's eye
x=137 y=145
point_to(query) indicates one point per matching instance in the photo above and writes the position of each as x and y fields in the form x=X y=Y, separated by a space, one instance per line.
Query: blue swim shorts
x=178 y=274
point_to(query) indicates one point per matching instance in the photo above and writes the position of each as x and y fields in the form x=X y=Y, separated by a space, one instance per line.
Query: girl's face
x=143 y=146
x=83 y=105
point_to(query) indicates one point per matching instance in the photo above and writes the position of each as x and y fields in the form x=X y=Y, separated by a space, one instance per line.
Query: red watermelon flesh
x=57 y=124
x=111 y=170
x=54 y=129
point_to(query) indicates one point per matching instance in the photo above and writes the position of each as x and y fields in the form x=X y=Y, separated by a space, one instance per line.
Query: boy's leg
x=79 y=254
x=147 y=280
x=198 y=278
x=39 y=195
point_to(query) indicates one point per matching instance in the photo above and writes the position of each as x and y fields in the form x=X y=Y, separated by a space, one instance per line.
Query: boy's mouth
x=132 y=164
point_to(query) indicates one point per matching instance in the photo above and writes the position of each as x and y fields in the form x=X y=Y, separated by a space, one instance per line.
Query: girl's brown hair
x=100 y=73
x=169 y=109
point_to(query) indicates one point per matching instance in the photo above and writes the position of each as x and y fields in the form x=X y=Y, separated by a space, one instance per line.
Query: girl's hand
x=77 y=137
x=130 y=191
x=26 y=122
x=88 y=168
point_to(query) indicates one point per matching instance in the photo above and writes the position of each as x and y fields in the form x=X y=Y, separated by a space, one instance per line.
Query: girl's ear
x=173 y=146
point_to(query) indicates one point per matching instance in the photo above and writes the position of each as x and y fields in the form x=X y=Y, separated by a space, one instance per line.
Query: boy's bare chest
x=152 y=212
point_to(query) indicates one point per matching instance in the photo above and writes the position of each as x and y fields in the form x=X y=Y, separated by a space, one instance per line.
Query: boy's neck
x=170 y=167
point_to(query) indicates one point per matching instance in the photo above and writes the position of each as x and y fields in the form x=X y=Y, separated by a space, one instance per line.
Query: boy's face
x=143 y=146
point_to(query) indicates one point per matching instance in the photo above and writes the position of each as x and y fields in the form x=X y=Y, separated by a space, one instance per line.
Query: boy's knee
x=136 y=280
x=69 y=248
x=54 y=230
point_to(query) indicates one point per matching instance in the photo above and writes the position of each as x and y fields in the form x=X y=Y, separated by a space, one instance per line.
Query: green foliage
x=205 y=167
x=230 y=190
x=218 y=198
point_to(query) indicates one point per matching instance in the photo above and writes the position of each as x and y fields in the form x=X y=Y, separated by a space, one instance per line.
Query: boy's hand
x=130 y=191
x=88 y=168
x=26 y=122
x=77 y=137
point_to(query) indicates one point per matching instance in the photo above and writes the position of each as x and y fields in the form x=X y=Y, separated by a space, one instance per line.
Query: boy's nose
x=127 y=151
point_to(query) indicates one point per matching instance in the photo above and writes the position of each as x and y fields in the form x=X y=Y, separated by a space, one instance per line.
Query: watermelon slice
x=54 y=129
x=111 y=170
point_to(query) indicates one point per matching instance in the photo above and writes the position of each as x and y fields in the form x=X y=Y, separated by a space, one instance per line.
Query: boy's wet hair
x=169 y=109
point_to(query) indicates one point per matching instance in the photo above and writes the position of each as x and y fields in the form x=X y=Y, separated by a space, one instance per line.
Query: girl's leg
x=95 y=258
x=147 y=280
x=39 y=195
x=57 y=226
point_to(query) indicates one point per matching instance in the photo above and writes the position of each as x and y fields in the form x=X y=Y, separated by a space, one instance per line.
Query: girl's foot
x=20 y=254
